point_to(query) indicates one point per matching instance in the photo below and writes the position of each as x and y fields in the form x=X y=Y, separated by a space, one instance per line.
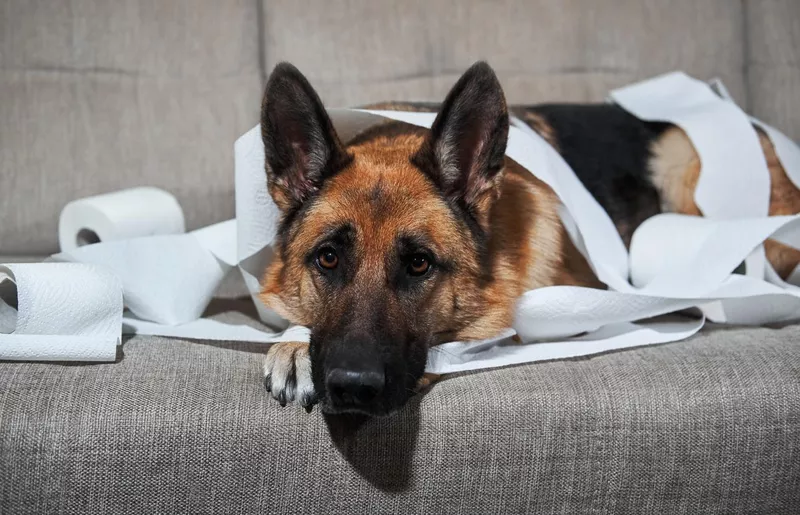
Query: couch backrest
x=96 y=96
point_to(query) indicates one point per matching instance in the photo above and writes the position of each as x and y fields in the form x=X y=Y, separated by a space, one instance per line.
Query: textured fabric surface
x=709 y=425
x=99 y=96
x=774 y=62
x=356 y=51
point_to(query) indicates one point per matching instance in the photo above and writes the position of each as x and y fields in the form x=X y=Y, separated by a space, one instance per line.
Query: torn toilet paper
x=168 y=280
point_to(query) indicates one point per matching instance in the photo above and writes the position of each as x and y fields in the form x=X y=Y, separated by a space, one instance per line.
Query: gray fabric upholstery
x=773 y=62
x=99 y=96
x=543 y=50
x=710 y=425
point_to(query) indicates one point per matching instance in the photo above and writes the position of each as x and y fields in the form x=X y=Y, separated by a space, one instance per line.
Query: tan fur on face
x=382 y=195
x=675 y=168
x=531 y=250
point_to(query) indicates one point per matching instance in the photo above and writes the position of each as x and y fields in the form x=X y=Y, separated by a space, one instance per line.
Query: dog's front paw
x=287 y=374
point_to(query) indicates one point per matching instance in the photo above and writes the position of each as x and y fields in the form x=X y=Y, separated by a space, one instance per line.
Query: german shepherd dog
x=403 y=238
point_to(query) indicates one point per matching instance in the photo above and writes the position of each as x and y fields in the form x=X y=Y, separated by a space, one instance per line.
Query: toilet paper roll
x=118 y=216
x=59 y=312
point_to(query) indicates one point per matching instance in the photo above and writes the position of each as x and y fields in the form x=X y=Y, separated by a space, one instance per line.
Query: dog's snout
x=354 y=387
x=360 y=372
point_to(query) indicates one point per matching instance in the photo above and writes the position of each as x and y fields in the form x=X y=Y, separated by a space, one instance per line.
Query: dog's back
x=637 y=169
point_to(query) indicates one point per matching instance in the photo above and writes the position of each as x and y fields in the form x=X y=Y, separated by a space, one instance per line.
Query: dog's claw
x=308 y=401
x=287 y=374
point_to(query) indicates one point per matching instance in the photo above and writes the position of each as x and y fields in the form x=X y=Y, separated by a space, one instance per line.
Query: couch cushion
x=709 y=425
x=774 y=63
x=99 y=96
x=358 y=51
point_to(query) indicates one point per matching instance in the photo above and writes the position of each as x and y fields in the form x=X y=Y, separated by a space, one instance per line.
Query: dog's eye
x=418 y=265
x=327 y=258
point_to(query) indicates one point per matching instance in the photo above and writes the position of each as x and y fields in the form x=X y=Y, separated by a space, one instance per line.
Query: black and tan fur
x=362 y=218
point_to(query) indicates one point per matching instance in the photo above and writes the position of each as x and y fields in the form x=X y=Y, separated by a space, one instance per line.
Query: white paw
x=287 y=374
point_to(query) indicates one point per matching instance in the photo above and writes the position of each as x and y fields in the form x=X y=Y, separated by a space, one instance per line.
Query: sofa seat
x=711 y=424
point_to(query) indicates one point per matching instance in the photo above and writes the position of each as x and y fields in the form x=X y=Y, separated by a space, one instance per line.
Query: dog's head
x=383 y=246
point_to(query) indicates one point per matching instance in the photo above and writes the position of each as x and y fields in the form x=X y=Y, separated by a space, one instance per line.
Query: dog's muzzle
x=357 y=388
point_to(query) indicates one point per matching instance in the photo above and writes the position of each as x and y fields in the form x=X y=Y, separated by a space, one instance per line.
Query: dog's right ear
x=300 y=144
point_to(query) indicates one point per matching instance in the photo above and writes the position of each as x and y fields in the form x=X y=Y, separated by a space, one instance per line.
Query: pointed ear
x=464 y=153
x=300 y=144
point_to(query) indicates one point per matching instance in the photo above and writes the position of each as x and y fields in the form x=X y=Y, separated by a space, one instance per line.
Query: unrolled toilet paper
x=735 y=185
x=169 y=279
x=715 y=127
x=118 y=216
x=696 y=108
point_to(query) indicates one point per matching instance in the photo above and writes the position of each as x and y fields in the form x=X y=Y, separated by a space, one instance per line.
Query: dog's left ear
x=464 y=153
x=301 y=146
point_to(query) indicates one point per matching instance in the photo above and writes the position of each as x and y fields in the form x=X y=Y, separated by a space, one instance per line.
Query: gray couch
x=96 y=96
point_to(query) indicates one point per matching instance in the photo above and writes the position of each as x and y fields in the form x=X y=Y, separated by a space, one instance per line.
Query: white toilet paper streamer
x=787 y=150
x=257 y=219
x=54 y=312
x=788 y=153
x=552 y=313
x=716 y=128
x=733 y=168
x=119 y=216
x=694 y=107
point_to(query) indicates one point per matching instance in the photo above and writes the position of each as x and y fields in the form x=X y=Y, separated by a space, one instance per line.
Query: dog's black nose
x=348 y=387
